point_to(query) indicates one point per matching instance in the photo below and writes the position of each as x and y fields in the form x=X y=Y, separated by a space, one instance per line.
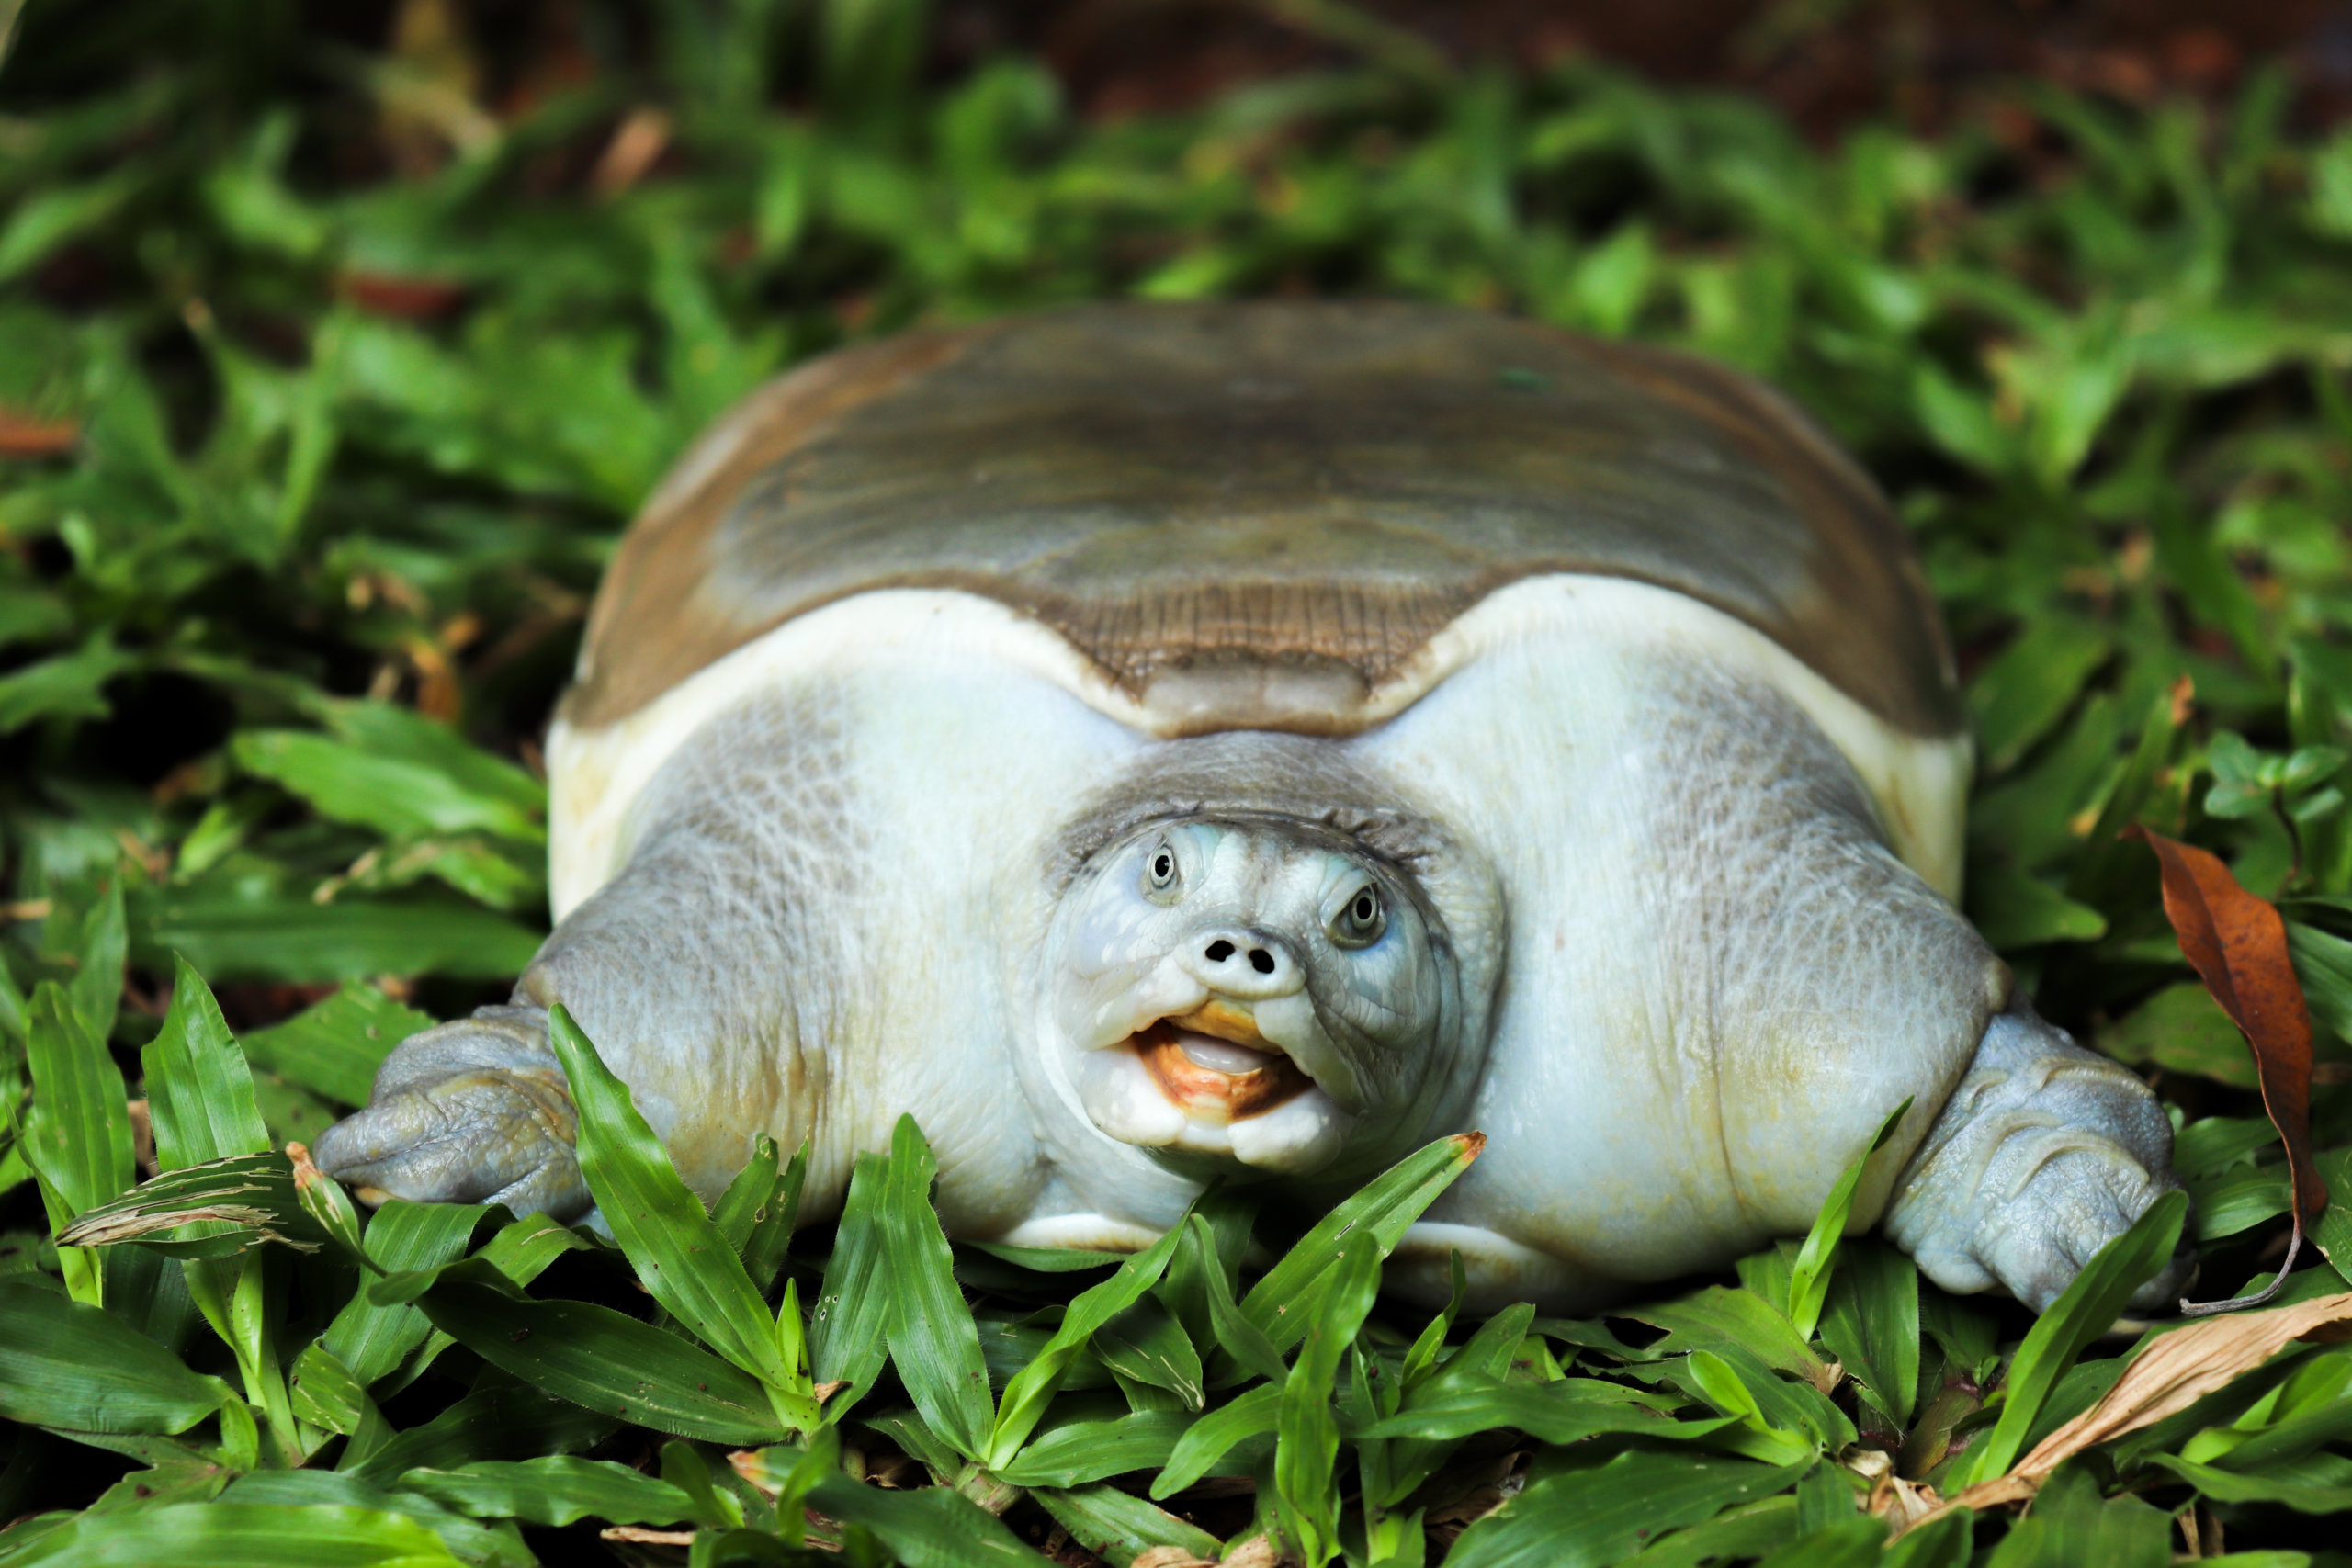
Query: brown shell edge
x=658 y=571
x=657 y=592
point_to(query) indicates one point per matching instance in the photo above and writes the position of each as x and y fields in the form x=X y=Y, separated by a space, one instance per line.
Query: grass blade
x=96 y=986
x=1306 y=1444
x=222 y=1207
x=200 y=1091
x=850 y=1325
x=1072 y=1453
x=372 y=1340
x=1556 y=1412
x=520 y=1252
x=77 y=1135
x=1809 y=1274
x=1482 y=1361
x=556 y=1490
x=502 y=1420
x=461 y=1537
x=1714 y=1316
x=1027 y=1396
x=1120 y=1528
x=1146 y=1346
x=1871 y=1326
x=787 y=1475
x=934 y=1528
x=1252 y=1414
x=1385 y=1207
x=1239 y=1339
x=598 y=1358
x=63 y=1364
x=933 y=1341
x=680 y=1254
x=1587 y=1518
x=335 y=1047
x=1737 y=1384
x=2080 y=1314
x=760 y=1208
x=245 y=1535
x=326 y=1395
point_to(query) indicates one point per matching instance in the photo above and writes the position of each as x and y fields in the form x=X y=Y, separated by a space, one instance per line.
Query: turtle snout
x=1244 y=964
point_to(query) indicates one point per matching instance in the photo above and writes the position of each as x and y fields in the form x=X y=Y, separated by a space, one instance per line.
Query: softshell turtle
x=1158 y=743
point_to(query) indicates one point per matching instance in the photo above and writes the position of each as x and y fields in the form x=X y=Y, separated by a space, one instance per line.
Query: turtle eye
x=1160 y=869
x=1362 y=920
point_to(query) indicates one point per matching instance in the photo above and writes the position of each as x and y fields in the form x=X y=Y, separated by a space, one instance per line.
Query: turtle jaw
x=1214 y=1064
x=1208 y=1081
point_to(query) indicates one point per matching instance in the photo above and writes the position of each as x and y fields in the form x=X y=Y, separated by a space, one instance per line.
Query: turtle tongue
x=1215 y=1077
x=1223 y=1056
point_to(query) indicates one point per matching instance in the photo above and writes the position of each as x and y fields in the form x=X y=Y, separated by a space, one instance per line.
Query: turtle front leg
x=2043 y=1154
x=472 y=1111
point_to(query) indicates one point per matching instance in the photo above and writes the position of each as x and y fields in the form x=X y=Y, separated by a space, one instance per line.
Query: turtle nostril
x=1261 y=961
x=1218 y=951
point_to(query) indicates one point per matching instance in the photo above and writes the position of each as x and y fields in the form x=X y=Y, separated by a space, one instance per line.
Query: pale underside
x=1717 y=982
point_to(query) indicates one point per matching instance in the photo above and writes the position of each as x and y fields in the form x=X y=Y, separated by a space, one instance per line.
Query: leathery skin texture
x=1636 y=919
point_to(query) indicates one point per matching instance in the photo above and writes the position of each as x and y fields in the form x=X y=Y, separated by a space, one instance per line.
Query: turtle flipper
x=2045 y=1153
x=473 y=1111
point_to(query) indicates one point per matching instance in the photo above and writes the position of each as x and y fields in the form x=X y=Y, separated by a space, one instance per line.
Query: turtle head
x=1262 y=989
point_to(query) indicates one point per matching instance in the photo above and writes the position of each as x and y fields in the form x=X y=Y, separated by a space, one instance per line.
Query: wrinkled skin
x=1323 y=954
x=2043 y=1152
x=1648 y=936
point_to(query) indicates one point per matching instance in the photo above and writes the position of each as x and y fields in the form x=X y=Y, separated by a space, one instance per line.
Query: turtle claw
x=2037 y=1242
x=484 y=1137
x=2045 y=1153
x=475 y=1112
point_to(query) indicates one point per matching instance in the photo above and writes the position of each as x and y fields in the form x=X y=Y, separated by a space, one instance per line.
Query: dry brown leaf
x=2238 y=945
x=428 y=89
x=747 y=1463
x=22 y=435
x=110 y=1229
x=636 y=145
x=1899 y=1502
x=118 y=1228
x=307 y=1173
x=143 y=1134
x=1258 y=1552
x=1169 y=1557
x=403 y=298
x=2172 y=1375
x=1902 y=1503
x=649 y=1538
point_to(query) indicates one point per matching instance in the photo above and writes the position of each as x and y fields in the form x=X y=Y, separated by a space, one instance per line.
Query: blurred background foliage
x=336 y=344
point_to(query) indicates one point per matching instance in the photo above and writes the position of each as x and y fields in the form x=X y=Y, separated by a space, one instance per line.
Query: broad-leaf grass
x=356 y=396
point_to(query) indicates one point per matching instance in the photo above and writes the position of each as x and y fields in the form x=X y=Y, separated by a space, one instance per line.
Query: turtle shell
x=1314 y=490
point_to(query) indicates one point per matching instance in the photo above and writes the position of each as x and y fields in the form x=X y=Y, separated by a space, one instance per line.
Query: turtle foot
x=2045 y=1153
x=474 y=1111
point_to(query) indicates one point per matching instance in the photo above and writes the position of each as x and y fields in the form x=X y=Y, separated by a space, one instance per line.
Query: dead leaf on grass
x=402 y=298
x=1258 y=1552
x=23 y=435
x=1169 y=1557
x=1900 y=1503
x=121 y=1222
x=2236 y=942
x=2172 y=1375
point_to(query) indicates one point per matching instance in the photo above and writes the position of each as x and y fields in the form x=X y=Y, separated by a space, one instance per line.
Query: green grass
x=357 y=381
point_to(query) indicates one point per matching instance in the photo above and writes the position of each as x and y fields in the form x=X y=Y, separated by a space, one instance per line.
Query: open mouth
x=1214 y=1064
x=1209 y=1082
